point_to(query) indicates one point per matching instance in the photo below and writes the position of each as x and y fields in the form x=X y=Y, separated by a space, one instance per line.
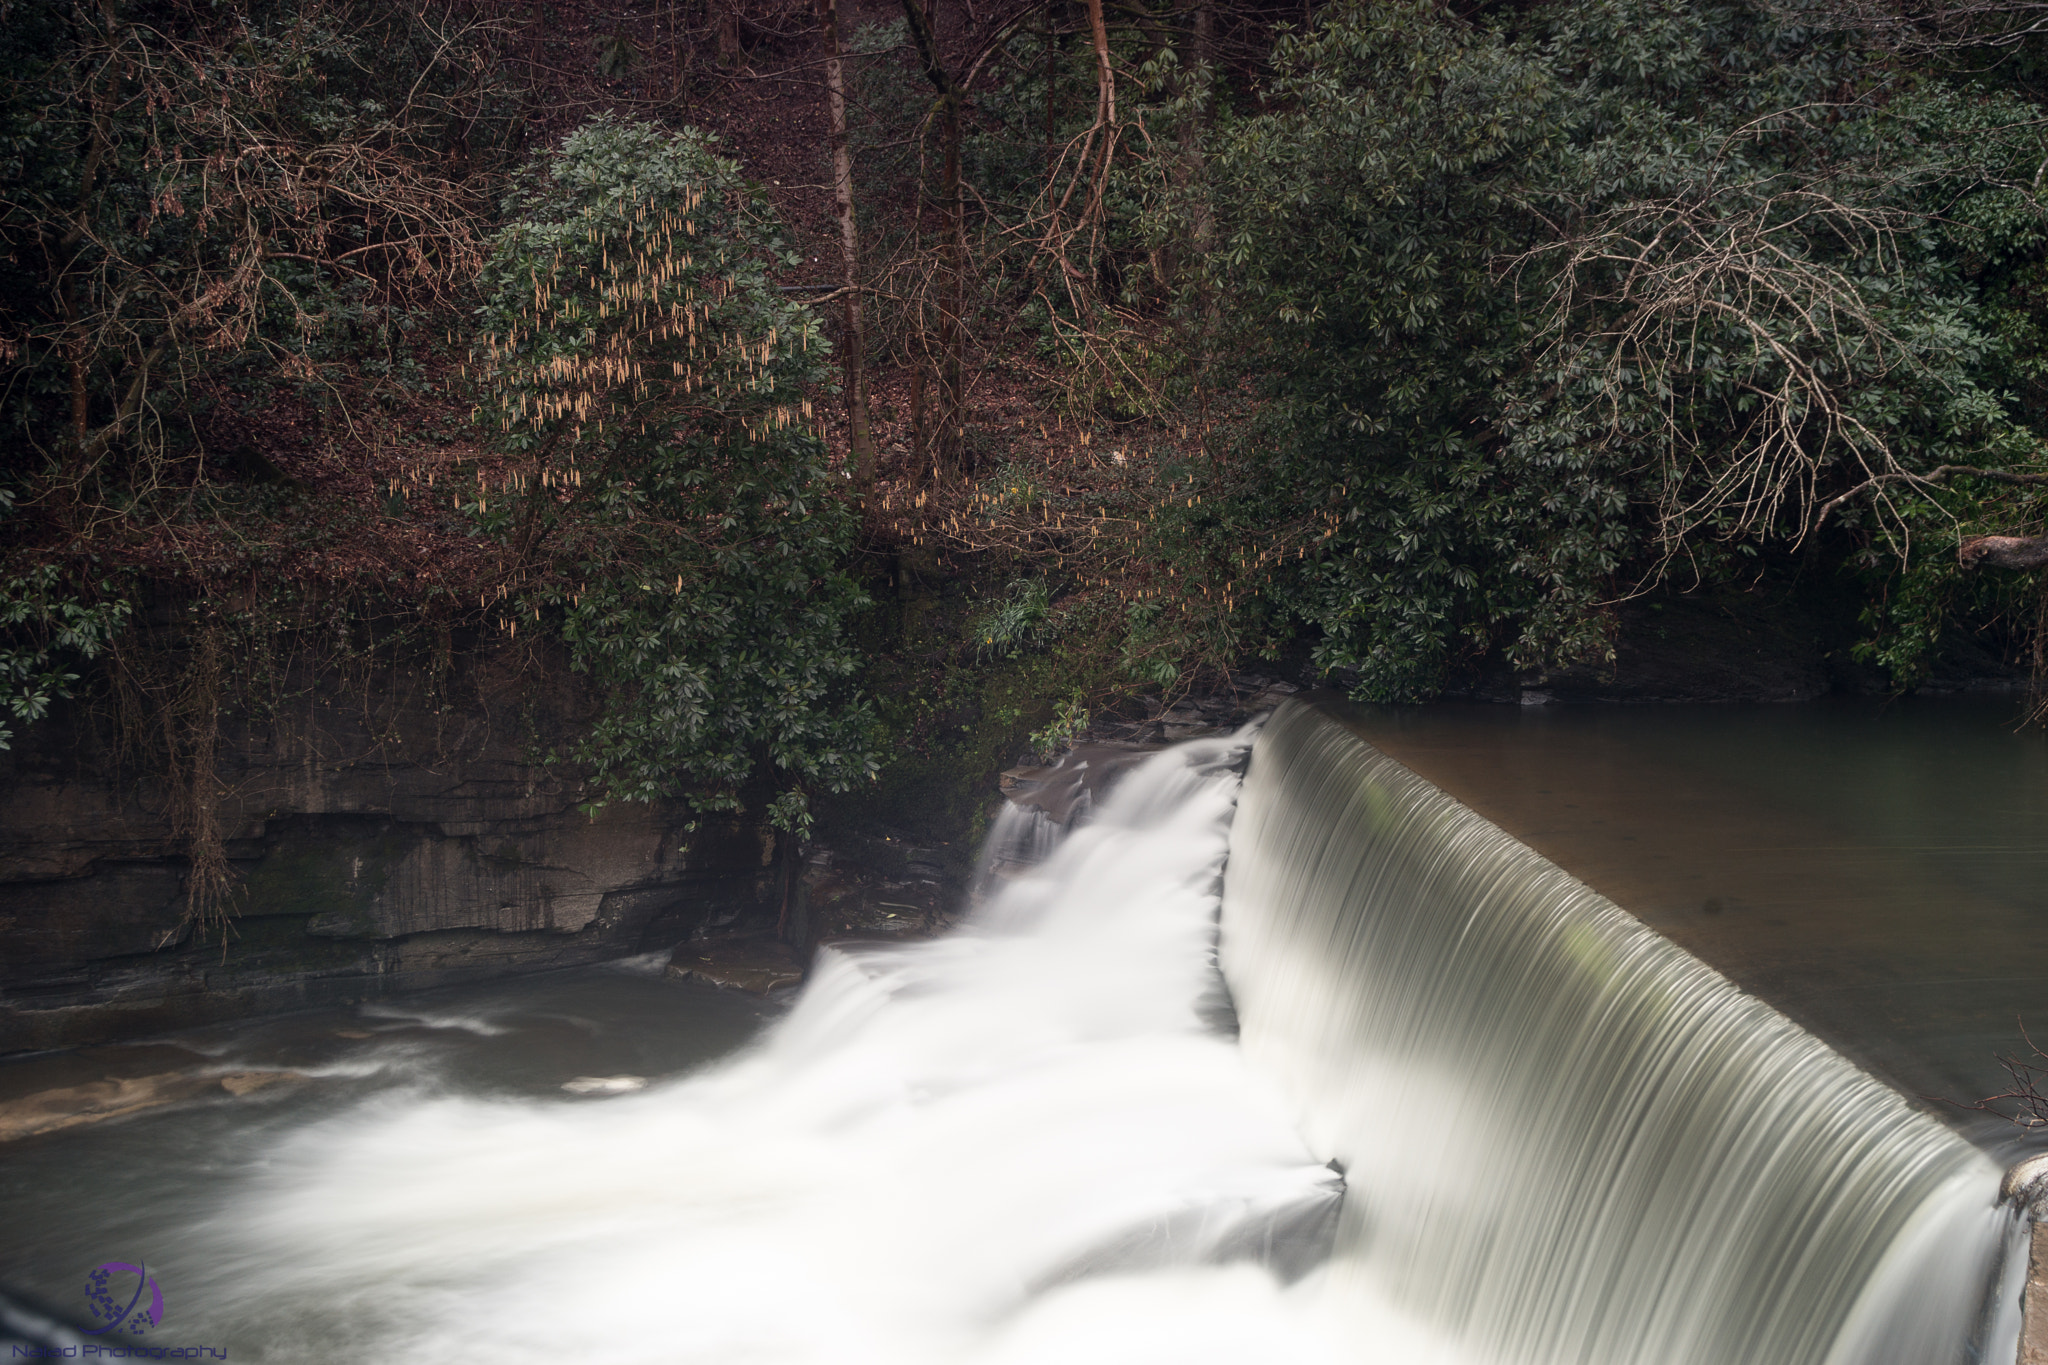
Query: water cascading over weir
x=1567 y=1140
x=1037 y=1140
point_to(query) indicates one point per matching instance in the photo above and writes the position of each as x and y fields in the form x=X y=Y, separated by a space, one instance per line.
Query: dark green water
x=129 y=1187
x=1879 y=872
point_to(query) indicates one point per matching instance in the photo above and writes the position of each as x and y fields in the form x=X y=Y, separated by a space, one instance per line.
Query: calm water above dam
x=1879 y=872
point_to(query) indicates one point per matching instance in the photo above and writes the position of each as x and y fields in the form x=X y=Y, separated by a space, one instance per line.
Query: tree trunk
x=860 y=439
x=1100 y=145
x=1105 y=106
x=1194 y=134
x=2004 y=552
x=950 y=416
x=730 y=54
x=918 y=444
x=677 y=50
x=952 y=335
x=1052 y=76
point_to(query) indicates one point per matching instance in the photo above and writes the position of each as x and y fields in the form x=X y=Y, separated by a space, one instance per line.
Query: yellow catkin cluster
x=646 y=298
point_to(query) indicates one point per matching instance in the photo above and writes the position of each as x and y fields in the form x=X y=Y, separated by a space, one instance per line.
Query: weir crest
x=1567 y=1140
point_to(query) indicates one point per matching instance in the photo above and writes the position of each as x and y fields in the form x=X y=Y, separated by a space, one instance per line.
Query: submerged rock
x=756 y=965
x=64 y=1090
x=72 y=1105
x=605 y=1085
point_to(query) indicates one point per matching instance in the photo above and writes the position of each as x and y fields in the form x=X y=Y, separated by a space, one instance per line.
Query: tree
x=947 y=111
x=860 y=438
x=1544 y=311
x=671 y=503
x=188 y=187
x=201 y=207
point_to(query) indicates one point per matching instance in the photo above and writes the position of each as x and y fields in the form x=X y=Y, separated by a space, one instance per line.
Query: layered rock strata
x=393 y=841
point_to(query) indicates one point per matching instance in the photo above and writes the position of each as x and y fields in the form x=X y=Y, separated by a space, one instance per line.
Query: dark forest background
x=856 y=393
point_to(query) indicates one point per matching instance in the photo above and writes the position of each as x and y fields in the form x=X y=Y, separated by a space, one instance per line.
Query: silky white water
x=1036 y=1140
x=1568 y=1141
x=1019 y=1143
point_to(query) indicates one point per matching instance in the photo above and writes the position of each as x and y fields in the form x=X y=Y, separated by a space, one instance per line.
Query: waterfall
x=1019 y=838
x=1565 y=1139
x=1038 y=1141
x=1019 y=1143
x=1042 y=804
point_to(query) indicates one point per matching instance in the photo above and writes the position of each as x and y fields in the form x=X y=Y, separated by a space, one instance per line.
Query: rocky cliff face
x=408 y=837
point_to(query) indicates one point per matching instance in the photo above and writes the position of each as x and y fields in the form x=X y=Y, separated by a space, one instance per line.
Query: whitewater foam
x=1016 y=1143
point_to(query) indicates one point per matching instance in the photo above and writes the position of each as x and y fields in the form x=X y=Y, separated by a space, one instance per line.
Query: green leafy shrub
x=43 y=632
x=1545 y=304
x=672 y=499
x=1017 y=620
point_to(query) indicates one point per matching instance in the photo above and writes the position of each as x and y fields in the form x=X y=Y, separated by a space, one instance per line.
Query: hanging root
x=196 y=788
x=170 y=706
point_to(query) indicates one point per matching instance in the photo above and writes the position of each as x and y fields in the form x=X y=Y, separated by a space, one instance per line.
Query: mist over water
x=1018 y=1143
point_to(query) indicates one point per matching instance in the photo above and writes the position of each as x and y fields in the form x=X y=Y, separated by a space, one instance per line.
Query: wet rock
x=248 y=1082
x=605 y=1085
x=427 y=848
x=1069 y=787
x=72 y=1105
x=2026 y=1182
x=756 y=965
x=1268 y=696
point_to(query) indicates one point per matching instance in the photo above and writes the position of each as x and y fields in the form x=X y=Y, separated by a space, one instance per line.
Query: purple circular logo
x=104 y=1291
